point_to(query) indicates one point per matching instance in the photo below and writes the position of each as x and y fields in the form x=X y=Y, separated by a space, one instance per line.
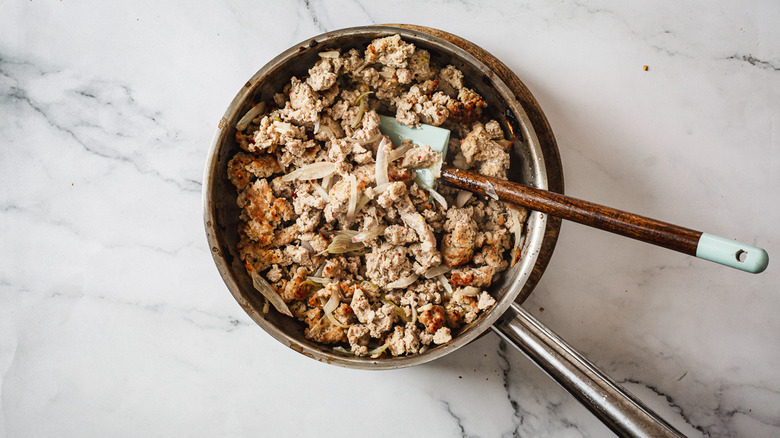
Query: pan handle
x=620 y=410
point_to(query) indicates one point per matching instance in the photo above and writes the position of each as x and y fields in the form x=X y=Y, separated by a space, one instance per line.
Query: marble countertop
x=115 y=322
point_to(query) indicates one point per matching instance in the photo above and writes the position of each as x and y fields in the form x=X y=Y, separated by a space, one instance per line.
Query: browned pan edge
x=552 y=157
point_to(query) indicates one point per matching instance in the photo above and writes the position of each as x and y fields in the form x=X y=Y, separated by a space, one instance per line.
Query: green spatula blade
x=437 y=138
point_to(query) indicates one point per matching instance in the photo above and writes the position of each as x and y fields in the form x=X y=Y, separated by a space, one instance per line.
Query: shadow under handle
x=617 y=408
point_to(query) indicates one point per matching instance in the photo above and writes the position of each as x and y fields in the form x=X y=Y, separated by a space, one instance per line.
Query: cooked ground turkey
x=372 y=297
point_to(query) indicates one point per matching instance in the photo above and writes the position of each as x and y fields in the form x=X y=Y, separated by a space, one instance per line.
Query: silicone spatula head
x=435 y=137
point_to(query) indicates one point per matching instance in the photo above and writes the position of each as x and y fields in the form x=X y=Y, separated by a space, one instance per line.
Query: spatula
x=696 y=243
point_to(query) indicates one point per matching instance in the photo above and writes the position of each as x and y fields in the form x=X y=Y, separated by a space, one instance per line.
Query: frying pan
x=534 y=162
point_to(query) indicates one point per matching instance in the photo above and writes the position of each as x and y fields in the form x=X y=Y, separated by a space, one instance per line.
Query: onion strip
x=398 y=309
x=425 y=308
x=330 y=306
x=329 y=54
x=311 y=171
x=517 y=229
x=269 y=293
x=368 y=234
x=320 y=280
x=438 y=197
x=352 y=198
x=250 y=115
x=443 y=280
x=380 y=173
x=361 y=203
x=381 y=187
x=463 y=198
x=378 y=350
x=402 y=282
x=342 y=243
x=373 y=138
x=399 y=152
x=361 y=111
x=469 y=291
x=342 y=350
x=437 y=270
x=318 y=188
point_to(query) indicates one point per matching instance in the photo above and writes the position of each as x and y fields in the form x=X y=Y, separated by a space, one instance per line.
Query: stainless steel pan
x=618 y=409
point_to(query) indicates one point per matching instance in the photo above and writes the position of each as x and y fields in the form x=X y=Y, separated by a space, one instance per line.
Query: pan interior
x=221 y=212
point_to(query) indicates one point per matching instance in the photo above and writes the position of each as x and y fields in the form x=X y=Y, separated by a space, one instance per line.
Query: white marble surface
x=115 y=322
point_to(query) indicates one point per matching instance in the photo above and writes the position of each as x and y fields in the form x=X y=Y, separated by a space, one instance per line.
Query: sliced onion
x=250 y=115
x=327 y=130
x=463 y=198
x=330 y=306
x=342 y=350
x=425 y=308
x=369 y=287
x=319 y=280
x=517 y=229
x=381 y=187
x=380 y=173
x=399 y=152
x=311 y=171
x=437 y=270
x=318 y=188
x=329 y=54
x=352 y=198
x=362 y=66
x=443 y=280
x=387 y=74
x=326 y=182
x=490 y=190
x=468 y=291
x=373 y=138
x=317 y=126
x=368 y=234
x=438 y=197
x=379 y=350
x=414 y=314
x=361 y=203
x=402 y=282
x=266 y=306
x=362 y=109
x=269 y=293
x=319 y=270
x=398 y=309
x=342 y=243
x=308 y=246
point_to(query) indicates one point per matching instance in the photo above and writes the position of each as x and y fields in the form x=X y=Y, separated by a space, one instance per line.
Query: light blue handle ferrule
x=732 y=253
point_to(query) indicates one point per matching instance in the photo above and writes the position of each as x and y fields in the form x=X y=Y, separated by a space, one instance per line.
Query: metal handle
x=617 y=408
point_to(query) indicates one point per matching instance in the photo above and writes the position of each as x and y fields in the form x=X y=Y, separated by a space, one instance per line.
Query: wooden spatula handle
x=588 y=213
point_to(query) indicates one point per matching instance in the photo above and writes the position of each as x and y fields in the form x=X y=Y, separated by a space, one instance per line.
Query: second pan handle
x=617 y=408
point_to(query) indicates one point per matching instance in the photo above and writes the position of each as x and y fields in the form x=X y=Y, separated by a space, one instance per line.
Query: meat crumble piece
x=243 y=168
x=488 y=155
x=390 y=51
x=421 y=156
x=459 y=241
x=352 y=261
